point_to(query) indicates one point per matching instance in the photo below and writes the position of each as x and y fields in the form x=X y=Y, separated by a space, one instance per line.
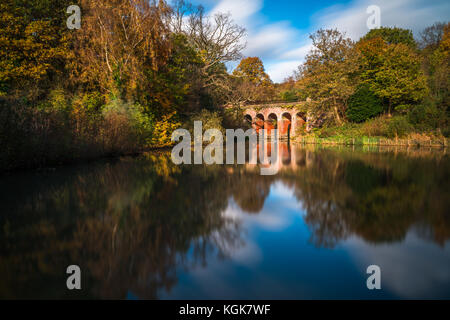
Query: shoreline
x=372 y=141
x=327 y=142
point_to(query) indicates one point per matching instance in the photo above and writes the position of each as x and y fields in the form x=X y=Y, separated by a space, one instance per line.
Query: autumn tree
x=392 y=71
x=120 y=42
x=252 y=80
x=33 y=46
x=252 y=69
x=328 y=74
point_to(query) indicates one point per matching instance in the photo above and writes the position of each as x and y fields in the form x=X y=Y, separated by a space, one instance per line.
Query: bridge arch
x=248 y=119
x=259 y=122
x=288 y=121
x=271 y=123
x=286 y=125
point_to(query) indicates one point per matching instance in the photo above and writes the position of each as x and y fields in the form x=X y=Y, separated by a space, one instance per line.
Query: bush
x=425 y=116
x=61 y=129
x=209 y=119
x=398 y=126
x=363 y=105
x=289 y=95
x=375 y=127
x=126 y=127
x=164 y=127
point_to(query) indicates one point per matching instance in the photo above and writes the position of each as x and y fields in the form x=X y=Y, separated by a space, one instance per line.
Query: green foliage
x=133 y=126
x=398 y=126
x=375 y=127
x=289 y=95
x=209 y=120
x=363 y=105
x=392 y=36
x=426 y=116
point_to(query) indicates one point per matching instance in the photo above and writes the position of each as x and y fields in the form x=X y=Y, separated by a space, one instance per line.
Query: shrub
x=363 y=105
x=209 y=119
x=163 y=129
x=289 y=95
x=425 y=116
x=398 y=126
x=126 y=127
x=375 y=127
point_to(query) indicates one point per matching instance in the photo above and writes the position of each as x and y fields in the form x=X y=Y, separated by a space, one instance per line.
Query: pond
x=144 y=228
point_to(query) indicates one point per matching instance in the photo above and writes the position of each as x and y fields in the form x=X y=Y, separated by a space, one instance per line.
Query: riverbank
x=415 y=141
x=382 y=131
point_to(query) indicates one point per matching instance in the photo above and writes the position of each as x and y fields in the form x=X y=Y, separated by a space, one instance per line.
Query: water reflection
x=143 y=227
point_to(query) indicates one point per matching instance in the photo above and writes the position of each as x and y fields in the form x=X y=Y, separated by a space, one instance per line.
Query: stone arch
x=271 y=122
x=248 y=120
x=285 y=125
x=259 y=122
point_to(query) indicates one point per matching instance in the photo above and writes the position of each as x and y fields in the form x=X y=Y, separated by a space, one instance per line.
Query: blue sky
x=278 y=30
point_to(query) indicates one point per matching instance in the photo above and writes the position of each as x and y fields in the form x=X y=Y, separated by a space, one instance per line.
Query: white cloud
x=270 y=41
x=282 y=47
x=280 y=70
x=411 y=14
x=412 y=269
x=240 y=10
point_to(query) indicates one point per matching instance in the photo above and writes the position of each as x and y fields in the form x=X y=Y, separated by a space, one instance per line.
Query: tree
x=392 y=36
x=436 y=56
x=120 y=42
x=328 y=74
x=252 y=69
x=431 y=36
x=251 y=81
x=33 y=45
x=392 y=71
x=363 y=105
x=217 y=39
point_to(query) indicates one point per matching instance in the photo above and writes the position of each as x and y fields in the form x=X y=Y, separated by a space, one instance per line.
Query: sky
x=278 y=30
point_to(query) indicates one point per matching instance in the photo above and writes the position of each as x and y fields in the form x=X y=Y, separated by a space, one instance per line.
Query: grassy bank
x=413 y=140
x=383 y=130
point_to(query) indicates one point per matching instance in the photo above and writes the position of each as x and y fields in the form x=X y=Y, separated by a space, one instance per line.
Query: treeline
x=136 y=70
x=385 y=84
x=132 y=73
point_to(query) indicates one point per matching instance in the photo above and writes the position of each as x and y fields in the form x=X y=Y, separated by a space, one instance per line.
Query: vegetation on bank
x=137 y=70
x=382 y=130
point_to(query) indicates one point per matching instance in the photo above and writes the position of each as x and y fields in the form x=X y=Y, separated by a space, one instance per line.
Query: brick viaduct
x=285 y=116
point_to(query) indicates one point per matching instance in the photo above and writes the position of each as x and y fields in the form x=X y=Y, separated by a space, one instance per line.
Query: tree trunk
x=336 y=112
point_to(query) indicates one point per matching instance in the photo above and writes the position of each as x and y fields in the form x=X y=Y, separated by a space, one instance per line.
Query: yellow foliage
x=163 y=130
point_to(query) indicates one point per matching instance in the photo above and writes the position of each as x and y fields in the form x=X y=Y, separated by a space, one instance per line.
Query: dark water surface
x=143 y=228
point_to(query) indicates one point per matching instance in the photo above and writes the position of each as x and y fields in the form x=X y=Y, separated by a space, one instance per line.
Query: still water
x=143 y=228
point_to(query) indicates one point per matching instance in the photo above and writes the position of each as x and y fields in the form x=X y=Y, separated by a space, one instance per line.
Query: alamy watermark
x=374 y=280
x=74 y=20
x=213 y=152
x=374 y=20
x=74 y=280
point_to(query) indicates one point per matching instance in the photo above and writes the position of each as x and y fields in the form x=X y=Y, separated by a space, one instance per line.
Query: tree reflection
x=132 y=223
